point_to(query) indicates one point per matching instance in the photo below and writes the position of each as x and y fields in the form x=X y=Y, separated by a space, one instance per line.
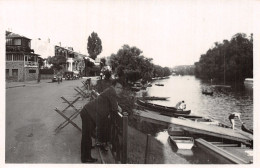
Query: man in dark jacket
x=96 y=111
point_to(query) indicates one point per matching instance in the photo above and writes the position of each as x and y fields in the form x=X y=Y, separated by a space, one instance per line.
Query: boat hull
x=155 y=98
x=182 y=142
x=207 y=93
x=159 y=84
x=164 y=110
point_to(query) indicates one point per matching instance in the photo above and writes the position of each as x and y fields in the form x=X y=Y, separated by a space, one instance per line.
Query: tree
x=88 y=66
x=228 y=61
x=102 y=63
x=49 y=59
x=40 y=64
x=129 y=61
x=57 y=61
x=94 y=45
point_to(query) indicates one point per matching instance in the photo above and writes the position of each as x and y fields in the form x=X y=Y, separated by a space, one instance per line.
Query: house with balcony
x=74 y=60
x=21 y=61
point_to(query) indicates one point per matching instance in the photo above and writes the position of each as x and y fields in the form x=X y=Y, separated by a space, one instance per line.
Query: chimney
x=49 y=40
x=60 y=44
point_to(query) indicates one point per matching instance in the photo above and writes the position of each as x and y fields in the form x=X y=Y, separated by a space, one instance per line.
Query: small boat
x=158 y=84
x=221 y=86
x=162 y=109
x=226 y=151
x=207 y=93
x=155 y=98
x=244 y=128
x=182 y=142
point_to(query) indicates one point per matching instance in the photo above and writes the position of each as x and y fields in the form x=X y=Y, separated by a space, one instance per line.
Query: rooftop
x=14 y=35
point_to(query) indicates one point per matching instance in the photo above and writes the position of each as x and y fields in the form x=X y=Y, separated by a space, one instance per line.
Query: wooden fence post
x=147 y=150
x=125 y=137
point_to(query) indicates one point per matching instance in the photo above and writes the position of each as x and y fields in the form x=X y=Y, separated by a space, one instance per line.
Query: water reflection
x=224 y=101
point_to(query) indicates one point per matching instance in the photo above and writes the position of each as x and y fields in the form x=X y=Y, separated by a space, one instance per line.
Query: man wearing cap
x=95 y=112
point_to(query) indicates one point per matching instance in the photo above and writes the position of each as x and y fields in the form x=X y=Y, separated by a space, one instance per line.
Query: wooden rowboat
x=155 y=98
x=158 y=84
x=162 y=109
x=207 y=93
x=244 y=128
x=182 y=142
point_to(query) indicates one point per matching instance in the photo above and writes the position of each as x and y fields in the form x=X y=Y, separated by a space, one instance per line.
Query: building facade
x=21 y=61
x=74 y=60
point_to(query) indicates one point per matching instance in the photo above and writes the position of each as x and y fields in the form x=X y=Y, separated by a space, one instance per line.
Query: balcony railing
x=30 y=64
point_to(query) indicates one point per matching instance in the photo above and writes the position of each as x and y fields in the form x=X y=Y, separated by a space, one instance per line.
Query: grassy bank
x=137 y=146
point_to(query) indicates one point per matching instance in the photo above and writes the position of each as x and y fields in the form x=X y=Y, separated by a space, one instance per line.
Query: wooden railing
x=118 y=133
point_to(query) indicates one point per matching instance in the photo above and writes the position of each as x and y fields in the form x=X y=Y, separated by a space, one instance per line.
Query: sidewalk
x=26 y=83
x=34 y=82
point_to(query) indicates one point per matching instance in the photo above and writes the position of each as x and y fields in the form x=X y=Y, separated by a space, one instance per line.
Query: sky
x=171 y=32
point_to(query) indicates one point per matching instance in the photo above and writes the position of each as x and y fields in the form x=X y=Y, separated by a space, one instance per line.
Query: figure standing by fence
x=97 y=111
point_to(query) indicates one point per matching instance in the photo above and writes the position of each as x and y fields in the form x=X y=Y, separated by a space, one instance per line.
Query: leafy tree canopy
x=102 y=62
x=129 y=63
x=228 y=61
x=58 y=60
x=94 y=45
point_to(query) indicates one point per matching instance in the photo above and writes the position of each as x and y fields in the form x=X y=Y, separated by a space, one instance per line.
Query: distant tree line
x=184 y=70
x=129 y=63
x=230 y=61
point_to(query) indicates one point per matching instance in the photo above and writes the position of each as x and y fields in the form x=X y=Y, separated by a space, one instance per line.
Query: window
x=17 y=41
x=8 y=57
x=32 y=71
x=29 y=43
x=8 y=41
x=18 y=57
x=7 y=72
x=14 y=72
x=26 y=43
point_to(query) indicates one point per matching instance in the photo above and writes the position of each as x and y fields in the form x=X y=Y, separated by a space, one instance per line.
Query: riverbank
x=136 y=138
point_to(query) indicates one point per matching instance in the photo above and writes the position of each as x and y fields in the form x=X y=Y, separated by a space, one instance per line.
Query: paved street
x=31 y=120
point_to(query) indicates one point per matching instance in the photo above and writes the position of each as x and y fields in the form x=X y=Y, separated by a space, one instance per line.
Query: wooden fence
x=118 y=130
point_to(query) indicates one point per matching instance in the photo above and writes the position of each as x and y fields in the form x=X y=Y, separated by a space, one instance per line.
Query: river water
x=223 y=102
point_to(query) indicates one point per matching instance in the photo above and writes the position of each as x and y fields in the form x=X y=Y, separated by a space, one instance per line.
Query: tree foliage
x=94 y=45
x=129 y=63
x=102 y=62
x=228 y=61
x=58 y=62
x=184 y=69
x=89 y=67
